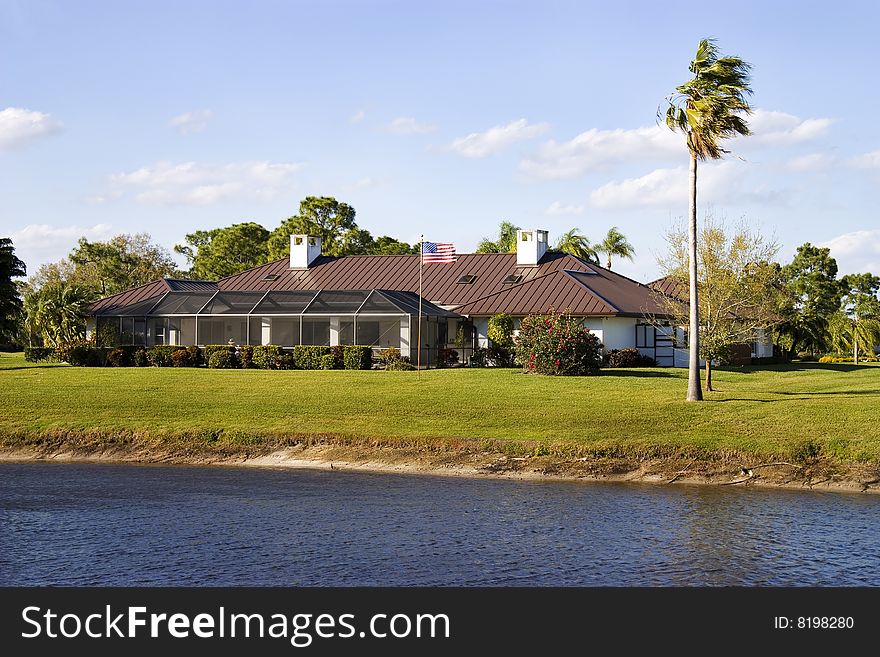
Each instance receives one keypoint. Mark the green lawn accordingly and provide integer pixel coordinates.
(773, 410)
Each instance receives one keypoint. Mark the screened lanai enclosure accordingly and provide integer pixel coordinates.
(378, 318)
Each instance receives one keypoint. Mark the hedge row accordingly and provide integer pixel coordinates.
(269, 357)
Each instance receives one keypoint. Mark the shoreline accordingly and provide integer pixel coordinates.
(711, 469)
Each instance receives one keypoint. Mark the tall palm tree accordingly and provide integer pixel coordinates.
(577, 245)
(707, 108)
(615, 244)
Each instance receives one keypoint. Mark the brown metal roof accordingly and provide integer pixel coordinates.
(559, 281)
(594, 292)
(671, 287)
(401, 272)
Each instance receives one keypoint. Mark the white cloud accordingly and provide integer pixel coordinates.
(779, 128)
(867, 160)
(192, 121)
(496, 139)
(811, 162)
(192, 183)
(101, 199)
(724, 182)
(594, 149)
(36, 244)
(407, 125)
(19, 126)
(856, 252)
(367, 183)
(357, 117)
(556, 209)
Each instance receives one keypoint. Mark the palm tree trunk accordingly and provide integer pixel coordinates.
(695, 392)
(608, 261)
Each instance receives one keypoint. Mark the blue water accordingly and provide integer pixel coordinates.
(90, 524)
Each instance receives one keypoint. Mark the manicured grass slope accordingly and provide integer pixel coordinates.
(764, 410)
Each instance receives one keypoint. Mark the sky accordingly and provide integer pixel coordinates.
(430, 118)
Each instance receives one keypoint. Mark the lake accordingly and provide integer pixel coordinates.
(125, 525)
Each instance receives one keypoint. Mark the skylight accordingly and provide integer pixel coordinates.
(512, 279)
(467, 279)
(269, 277)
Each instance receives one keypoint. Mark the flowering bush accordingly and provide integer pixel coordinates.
(557, 344)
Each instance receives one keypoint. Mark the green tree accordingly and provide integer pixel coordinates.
(385, 245)
(615, 244)
(707, 109)
(123, 262)
(505, 243)
(319, 216)
(55, 313)
(10, 300)
(222, 252)
(577, 245)
(737, 286)
(815, 295)
(861, 308)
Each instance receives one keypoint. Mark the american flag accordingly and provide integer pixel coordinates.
(438, 252)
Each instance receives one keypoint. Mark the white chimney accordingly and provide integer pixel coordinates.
(303, 250)
(531, 245)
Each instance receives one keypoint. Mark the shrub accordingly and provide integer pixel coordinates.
(400, 365)
(328, 362)
(338, 353)
(266, 357)
(491, 357)
(246, 356)
(770, 360)
(480, 357)
(447, 357)
(223, 359)
(85, 355)
(557, 344)
(140, 357)
(628, 357)
(121, 356)
(358, 357)
(848, 359)
(389, 355)
(211, 349)
(308, 357)
(183, 358)
(195, 356)
(285, 361)
(39, 354)
(160, 355)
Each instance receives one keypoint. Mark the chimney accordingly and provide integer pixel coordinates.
(303, 251)
(531, 245)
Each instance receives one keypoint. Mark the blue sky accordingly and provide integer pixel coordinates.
(437, 118)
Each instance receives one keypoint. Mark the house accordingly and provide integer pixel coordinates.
(311, 298)
(761, 345)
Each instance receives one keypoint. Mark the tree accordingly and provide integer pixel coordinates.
(319, 216)
(55, 313)
(223, 252)
(577, 245)
(10, 300)
(384, 245)
(557, 344)
(506, 242)
(615, 244)
(738, 286)
(861, 311)
(815, 295)
(123, 262)
(707, 109)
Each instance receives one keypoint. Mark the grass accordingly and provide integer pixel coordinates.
(781, 410)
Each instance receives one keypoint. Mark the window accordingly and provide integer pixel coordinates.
(467, 279)
(270, 277)
(644, 335)
(512, 279)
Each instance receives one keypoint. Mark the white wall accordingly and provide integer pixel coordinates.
(617, 332)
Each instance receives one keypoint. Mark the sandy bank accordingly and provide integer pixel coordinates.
(723, 469)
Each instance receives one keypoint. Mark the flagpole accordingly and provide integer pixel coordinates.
(419, 342)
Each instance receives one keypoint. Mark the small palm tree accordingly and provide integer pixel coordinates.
(615, 244)
(577, 245)
(707, 108)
